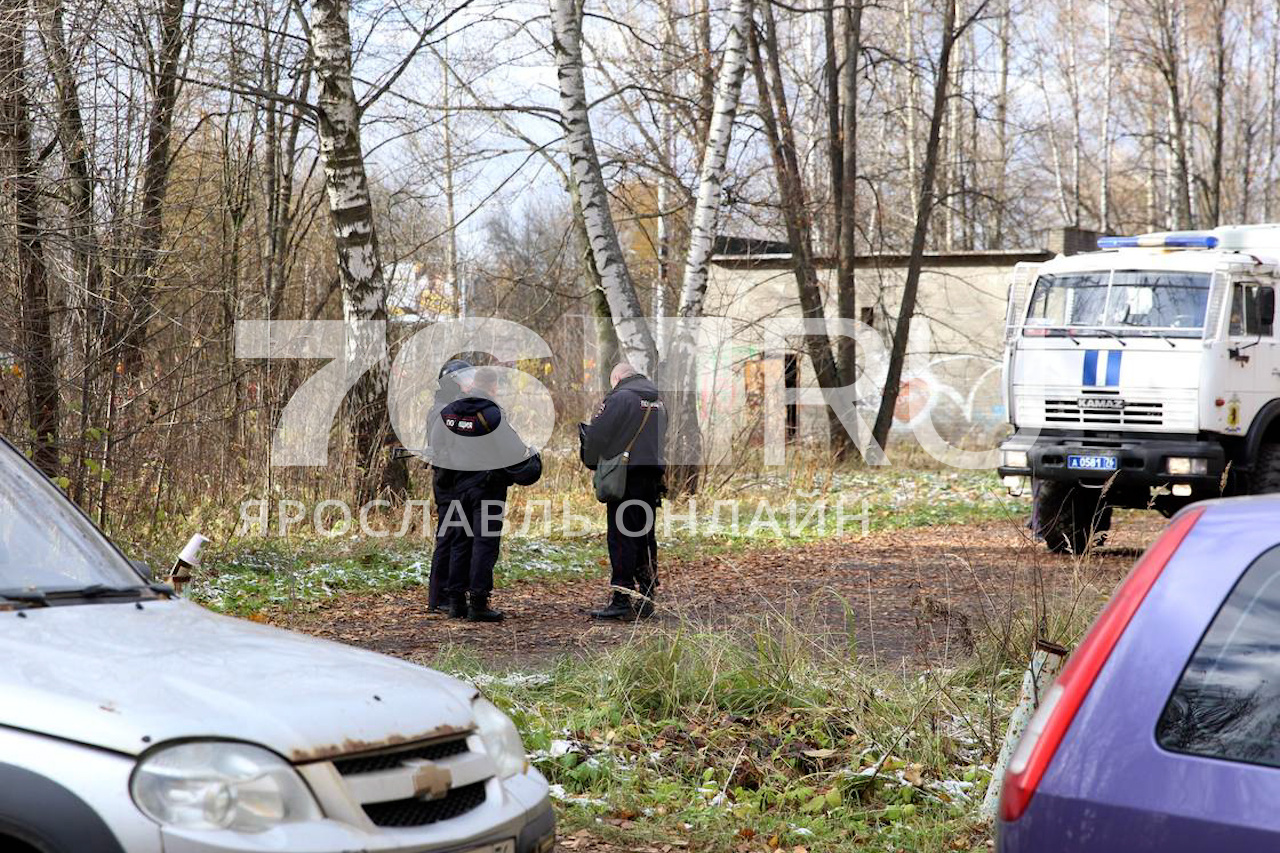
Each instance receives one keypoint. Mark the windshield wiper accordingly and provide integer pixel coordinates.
(1155, 332)
(1110, 334)
(95, 590)
(29, 597)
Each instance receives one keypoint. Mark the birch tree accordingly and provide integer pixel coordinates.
(634, 335)
(364, 289)
(687, 438)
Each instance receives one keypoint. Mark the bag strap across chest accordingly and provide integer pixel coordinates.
(626, 453)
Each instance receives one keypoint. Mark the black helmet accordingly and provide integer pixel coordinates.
(454, 365)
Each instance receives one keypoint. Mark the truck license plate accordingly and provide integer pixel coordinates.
(1092, 463)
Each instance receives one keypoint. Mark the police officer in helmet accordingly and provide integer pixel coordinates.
(476, 457)
(631, 424)
(448, 391)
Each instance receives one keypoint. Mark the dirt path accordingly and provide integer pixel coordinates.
(904, 594)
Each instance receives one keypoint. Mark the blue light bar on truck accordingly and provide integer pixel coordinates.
(1160, 241)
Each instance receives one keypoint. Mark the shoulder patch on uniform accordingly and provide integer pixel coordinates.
(461, 424)
(600, 408)
(652, 404)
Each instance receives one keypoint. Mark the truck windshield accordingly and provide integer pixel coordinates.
(1125, 301)
(45, 543)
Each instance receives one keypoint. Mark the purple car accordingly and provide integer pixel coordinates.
(1163, 731)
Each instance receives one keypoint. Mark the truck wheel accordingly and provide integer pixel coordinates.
(1068, 518)
(1266, 470)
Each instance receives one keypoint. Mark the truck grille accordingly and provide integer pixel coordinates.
(396, 758)
(1062, 412)
(415, 812)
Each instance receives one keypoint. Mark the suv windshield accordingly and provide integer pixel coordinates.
(1125, 301)
(45, 543)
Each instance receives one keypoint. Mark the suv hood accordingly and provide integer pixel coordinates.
(122, 678)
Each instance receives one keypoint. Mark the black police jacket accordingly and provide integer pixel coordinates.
(617, 421)
(472, 445)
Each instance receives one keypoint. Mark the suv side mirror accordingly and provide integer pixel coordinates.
(143, 569)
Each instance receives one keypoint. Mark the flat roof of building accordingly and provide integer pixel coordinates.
(968, 258)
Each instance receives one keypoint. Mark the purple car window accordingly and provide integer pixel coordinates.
(1227, 703)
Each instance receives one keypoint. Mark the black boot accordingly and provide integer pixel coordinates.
(647, 585)
(645, 606)
(619, 608)
(480, 610)
(457, 605)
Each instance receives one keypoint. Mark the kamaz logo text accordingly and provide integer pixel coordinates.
(1112, 403)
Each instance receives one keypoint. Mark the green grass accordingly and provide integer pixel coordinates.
(767, 738)
(755, 740)
(251, 574)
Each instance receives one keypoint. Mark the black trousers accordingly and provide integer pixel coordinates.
(437, 585)
(633, 543)
(468, 538)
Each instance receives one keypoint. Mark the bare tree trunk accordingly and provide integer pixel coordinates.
(1077, 134)
(913, 100)
(85, 250)
(714, 159)
(835, 151)
(1219, 88)
(38, 356)
(1273, 139)
(1104, 193)
(907, 308)
(1247, 129)
(1059, 178)
(450, 209)
(633, 331)
(777, 126)
(364, 290)
(706, 69)
(1169, 62)
(846, 290)
(686, 437)
(155, 177)
(1002, 124)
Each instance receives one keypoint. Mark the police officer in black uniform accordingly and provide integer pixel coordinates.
(448, 391)
(474, 452)
(632, 415)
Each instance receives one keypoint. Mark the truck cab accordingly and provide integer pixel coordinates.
(1145, 375)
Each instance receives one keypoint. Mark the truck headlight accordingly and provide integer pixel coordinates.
(1184, 466)
(500, 738)
(1014, 458)
(220, 785)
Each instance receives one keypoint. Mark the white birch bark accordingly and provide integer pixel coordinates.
(634, 335)
(364, 289)
(682, 370)
(715, 155)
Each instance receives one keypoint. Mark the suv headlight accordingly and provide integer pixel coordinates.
(501, 740)
(220, 785)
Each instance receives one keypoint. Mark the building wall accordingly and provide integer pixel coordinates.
(952, 375)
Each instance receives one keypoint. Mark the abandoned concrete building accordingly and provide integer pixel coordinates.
(952, 374)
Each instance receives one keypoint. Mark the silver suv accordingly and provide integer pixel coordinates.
(132, 720)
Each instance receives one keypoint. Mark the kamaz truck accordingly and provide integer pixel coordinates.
(1144, 375)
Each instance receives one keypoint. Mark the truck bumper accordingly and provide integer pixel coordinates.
(1142, 461)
